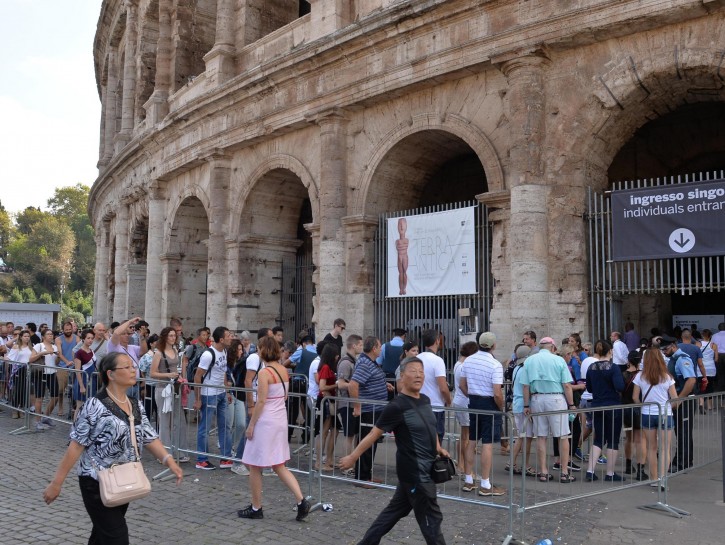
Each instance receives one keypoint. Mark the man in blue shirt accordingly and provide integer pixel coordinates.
(390, 353)
(682, 369)
(368, 383)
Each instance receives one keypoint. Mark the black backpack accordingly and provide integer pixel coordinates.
(194, 364)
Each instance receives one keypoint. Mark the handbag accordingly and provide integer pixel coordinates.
(443, 470)
(123, 483)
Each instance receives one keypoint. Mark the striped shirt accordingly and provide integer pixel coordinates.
(371, 378)
(481, 371)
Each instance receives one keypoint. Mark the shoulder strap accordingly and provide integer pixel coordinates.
(647, 393)
(284, 384)
(211, 365)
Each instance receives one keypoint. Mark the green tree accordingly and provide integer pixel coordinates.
(29, 295)
(45, 298)
(26, 219)
(7, 230)
(70, 204)
(43, 258)
(16, 296)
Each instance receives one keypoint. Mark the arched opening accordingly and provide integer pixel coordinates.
(278, 251)
(429, 171)
(688, 143)
(138, 246)
(185, 268)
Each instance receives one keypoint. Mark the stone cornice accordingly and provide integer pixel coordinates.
(400, 24)
(495, 199)
(268, 242)
(360, 221)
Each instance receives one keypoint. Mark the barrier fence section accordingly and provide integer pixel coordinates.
(379, 470)
(691, 437)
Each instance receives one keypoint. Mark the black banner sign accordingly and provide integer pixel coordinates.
(681, 220)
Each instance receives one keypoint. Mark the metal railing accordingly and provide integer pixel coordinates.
(695, 441)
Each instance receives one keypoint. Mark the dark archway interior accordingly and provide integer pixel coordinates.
(686, 142)
(424, 169)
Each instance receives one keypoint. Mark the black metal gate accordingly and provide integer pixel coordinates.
(298, 291)
(439, 312)
(610, 282)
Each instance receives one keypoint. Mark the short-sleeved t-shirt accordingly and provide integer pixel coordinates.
(545, 373)
(326, 373)
(433, 367)
(87, 359)
(459, 399)
(313, 389)
(658, 394)
(371, 378)
(415, 432)
(216, 375)
(254, 363)
(481, 371)
(345, 368)
(695, 354)
(586, 362)
(49, 360)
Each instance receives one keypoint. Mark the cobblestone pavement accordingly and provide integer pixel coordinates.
(203, 509)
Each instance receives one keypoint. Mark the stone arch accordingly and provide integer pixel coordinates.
(185, 264)
(447, 124)
(637, 91)
(275, 162)
(189, 191)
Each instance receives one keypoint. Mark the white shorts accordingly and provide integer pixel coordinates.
(524, 425)
(462, 417)
(551, 425)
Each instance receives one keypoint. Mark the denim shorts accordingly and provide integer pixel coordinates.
(652, 422)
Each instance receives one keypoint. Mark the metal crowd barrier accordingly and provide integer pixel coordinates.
(383, 468)
(694, 441)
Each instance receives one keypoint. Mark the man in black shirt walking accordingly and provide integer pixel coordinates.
(409, 415)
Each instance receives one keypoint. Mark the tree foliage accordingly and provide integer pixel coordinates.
(50, 251)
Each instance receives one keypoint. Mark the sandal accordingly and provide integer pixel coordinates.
(566, 478)
(517, 470)
(545, 477)
(531, 472)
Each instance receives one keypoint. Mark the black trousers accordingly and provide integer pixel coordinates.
(421, 499)
(109, 523)
(684, 415)
(364, 466)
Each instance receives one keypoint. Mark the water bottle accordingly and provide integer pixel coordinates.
(545, 541)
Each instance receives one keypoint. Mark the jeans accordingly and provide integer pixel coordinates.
(209, 405)
(237, 425)
(421, 498)
(109, 523)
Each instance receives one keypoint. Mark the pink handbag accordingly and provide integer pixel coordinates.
(123, 483)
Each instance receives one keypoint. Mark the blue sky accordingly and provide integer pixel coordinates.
(49, 106)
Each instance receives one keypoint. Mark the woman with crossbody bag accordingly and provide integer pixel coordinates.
(165, 369)
(655, 385)
(101, 438)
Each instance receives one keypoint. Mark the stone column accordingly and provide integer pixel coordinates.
(136, 290)
(110, 105)
(314, 230)
(154, 306)
(528, 240)
(220, 60)
(129, 76)
(333, 186)
(157, 106)
(121, 229)
(360, 272)
(216, 293)
(100, 310)
(327, 16)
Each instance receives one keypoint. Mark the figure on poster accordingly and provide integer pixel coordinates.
(402, 246)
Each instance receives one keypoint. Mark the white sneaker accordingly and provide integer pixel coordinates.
(48, 422)
(39, 426)
(268, 472)
(240, 469)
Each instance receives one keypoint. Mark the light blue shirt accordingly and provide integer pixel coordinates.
(295, 358)
(518, 405)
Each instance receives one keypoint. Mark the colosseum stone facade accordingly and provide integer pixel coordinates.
(238, 136)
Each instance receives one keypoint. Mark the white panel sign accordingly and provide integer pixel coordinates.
(702, 321)
(432, 254)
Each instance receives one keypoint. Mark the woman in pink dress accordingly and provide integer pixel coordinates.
(267, 444)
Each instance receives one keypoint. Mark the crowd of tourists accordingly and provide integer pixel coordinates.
(377, 388)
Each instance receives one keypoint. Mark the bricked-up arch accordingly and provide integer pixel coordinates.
(194, 24)
(146, 57)
(185, 265)
(407, 168)
(273, 237)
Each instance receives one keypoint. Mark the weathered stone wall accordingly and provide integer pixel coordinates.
(358, 111)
